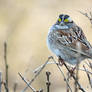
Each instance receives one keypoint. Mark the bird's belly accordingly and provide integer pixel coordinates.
(54, 48)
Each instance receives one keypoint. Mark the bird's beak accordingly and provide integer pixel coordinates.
(61, 23)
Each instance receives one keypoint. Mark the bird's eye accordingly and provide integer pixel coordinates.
(66, 20)
(59, 20)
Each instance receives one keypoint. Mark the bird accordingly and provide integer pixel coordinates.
(68, 41)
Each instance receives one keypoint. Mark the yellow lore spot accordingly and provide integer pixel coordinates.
(59, 20)
(66, 20)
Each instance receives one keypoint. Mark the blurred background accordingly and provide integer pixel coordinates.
(24, 25)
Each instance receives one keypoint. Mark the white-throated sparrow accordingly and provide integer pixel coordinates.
(67, 41)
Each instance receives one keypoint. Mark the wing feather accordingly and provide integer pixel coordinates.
(71, 37)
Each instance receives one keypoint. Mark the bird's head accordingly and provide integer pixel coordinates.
(64, 20)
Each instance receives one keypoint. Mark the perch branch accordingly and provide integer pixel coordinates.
(38, 68)
(6, 67)
(72, 76)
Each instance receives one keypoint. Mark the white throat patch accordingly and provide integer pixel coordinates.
(61, 27)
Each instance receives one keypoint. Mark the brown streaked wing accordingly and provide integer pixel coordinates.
(74, 45)
(72, 40)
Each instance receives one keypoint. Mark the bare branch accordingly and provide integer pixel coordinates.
(89, 16)
(68, 78)
(77, 77)
(5, 86)
(38, 68)
(90, 80)
(37, 74)
(0, 81)
(6, 67)
(15, 87)
(27, 83)
(62, 74)
(48, 83)
(72, 76)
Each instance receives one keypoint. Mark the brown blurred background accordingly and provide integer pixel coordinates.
(24, 24)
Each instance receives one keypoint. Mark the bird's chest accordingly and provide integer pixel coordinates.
(52, 39)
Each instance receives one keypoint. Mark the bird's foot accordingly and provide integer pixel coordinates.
(61, 61)
(72, 71)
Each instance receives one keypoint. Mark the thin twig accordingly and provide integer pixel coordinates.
(74, 79)
(37, 74)
(6, 67)
(77, 77)
(5, 86)
(89, 79)
(38, 68)
(89, 64)
(62, 74)
(78, 47)
(0, 81)
(27, 83)
(48, 83)
(86, 14)
(15, 87)
(68, 77)
(72, 76)
(41, 90)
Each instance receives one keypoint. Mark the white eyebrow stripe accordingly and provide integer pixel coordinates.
(69, 19)
(63, 18)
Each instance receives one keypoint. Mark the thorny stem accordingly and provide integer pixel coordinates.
(6, 67)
